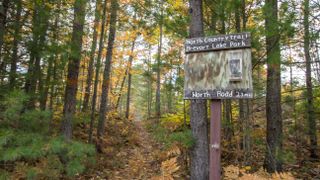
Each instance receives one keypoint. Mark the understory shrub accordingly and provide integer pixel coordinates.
(171, 131)
(26, 143)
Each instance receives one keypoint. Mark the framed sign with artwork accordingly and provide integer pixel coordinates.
(218, 67)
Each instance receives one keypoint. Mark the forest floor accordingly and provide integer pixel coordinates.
(128, 152)
(140, 160)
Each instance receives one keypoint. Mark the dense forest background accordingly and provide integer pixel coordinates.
(91, 88)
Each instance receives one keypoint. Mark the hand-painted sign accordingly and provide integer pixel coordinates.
(215, 71)
(220, 42)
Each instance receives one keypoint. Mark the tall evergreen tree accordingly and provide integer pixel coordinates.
(273, 100)
(98, 66)
(158, 90)
(73, 68)
(16, 39)
(107, 69)
(3, 21)
(92, 55)
(310, 107)
(198, 110)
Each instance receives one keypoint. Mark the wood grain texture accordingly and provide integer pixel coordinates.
(210, 72)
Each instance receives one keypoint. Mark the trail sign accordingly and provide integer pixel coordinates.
(218, 67)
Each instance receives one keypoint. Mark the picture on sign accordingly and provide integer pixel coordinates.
(223, 73)
(235, 66)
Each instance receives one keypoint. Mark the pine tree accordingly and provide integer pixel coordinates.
(107, 69)
(73, 68)
(310, 106)
(92, 55)
(198, 110)
(273, 100)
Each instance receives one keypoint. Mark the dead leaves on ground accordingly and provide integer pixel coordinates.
(235, 173)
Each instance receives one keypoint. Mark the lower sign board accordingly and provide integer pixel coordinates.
(219, 74)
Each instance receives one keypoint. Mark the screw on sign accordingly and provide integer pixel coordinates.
(218, 67)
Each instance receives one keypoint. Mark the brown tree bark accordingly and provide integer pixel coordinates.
(92, 55)
(73, 68)
(106, 74)
(98, 66)
(273, 161)
(158, 91)
(198, 115)
(16, 39)
(129, 79)
(53, 83)
(310, 106)
(3, 21)
(125, 74)
(51, 63)
(39, 29)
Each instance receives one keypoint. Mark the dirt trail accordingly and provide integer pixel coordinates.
(140, 162)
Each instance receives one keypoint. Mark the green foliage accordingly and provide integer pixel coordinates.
(24, 137)
(4, 175)
(74, 167)
(171, 130)
(174, 121)
(35, 121)
(183, 137)
(288, 156)
(31, 174)
(13, 103)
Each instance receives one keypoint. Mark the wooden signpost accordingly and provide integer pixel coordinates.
(216, 68)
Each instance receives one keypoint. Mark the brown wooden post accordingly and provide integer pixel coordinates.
(215, 138)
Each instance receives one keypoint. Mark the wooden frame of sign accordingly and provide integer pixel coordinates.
(218, 67)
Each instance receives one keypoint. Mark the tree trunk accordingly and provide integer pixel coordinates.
(98, 66)
(16, 39)
(51, 69)
(52, 83)
(129, 79)
(149, 80)
(310, 107)
(273, 160)
(92, 55)
(39, 29)
(125, 74)
(106, 74)
(3, 21)
(198, 114)
(73, 68)
(158, 91)
(121, 88)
